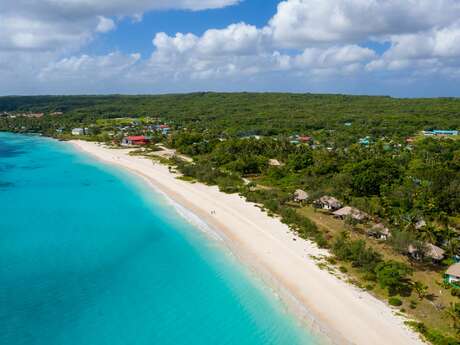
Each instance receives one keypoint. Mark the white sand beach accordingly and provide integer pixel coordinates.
(348, 314)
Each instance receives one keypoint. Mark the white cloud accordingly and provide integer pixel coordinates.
(429, 52)
(60, 24)
(301, 22)
(306, 42)
(87, 68)
(105, 24)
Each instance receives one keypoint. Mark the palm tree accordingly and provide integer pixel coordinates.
(421, 289)
(453, 312)
(452, 241)
(429, 233)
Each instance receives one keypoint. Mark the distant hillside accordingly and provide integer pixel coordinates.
(258, 113)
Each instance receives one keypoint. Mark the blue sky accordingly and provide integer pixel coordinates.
(392, 47)
(131, 37)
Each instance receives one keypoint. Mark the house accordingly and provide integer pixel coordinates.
(352, 212)
(365, 141)
(135, 140)
(380, 232)
(36, 115)
(434, 252)
(164, 129)
(328, 203)
(78, 131)
(453, 274)
(304, 139)
(431, 251)
(420, 224)
(440, 132)
(300, 195)
(410, 140)
(274, 163)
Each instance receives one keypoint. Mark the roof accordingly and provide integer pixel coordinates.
(137, 137)
(274, 162)
(328, 200)
(432, 251)
(435, 252)
(304, 138)
(350, 211)
(381, 229)
(454, 270)
(443, 131)
(420, 224)
(300, 195)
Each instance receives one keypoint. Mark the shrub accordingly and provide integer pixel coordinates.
(356, 252)
(392, 275)
(432, 335)
(343, 269)
(455, 292)
(394, 301)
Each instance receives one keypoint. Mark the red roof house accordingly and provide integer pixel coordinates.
(135, 140)
(304, 139)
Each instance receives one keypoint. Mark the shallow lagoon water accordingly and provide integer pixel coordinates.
(89, 255)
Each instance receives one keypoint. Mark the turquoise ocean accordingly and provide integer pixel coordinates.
(89, 255)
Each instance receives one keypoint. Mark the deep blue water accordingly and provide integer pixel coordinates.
(90, 256)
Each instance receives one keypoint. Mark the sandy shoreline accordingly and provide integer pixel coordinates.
(345, 313)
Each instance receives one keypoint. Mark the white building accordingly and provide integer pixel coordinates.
(453, 274)
(78, 131)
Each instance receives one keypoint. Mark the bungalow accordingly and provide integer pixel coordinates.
(431, 251)
(327, 203)
(453, 274)
(354, 213)
(380, 232)
(135, 140)
(300, 195)
(78, 131)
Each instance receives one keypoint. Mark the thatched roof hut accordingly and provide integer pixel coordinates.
(352, 212)
(274, 163)
(432, 251)
(300, 195)
(328, 203)
(380, 231)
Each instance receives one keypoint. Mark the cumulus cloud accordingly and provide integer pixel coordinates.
(301, 22)
(305, 40)
(105, 24)
(435, 51)
(57, 24)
